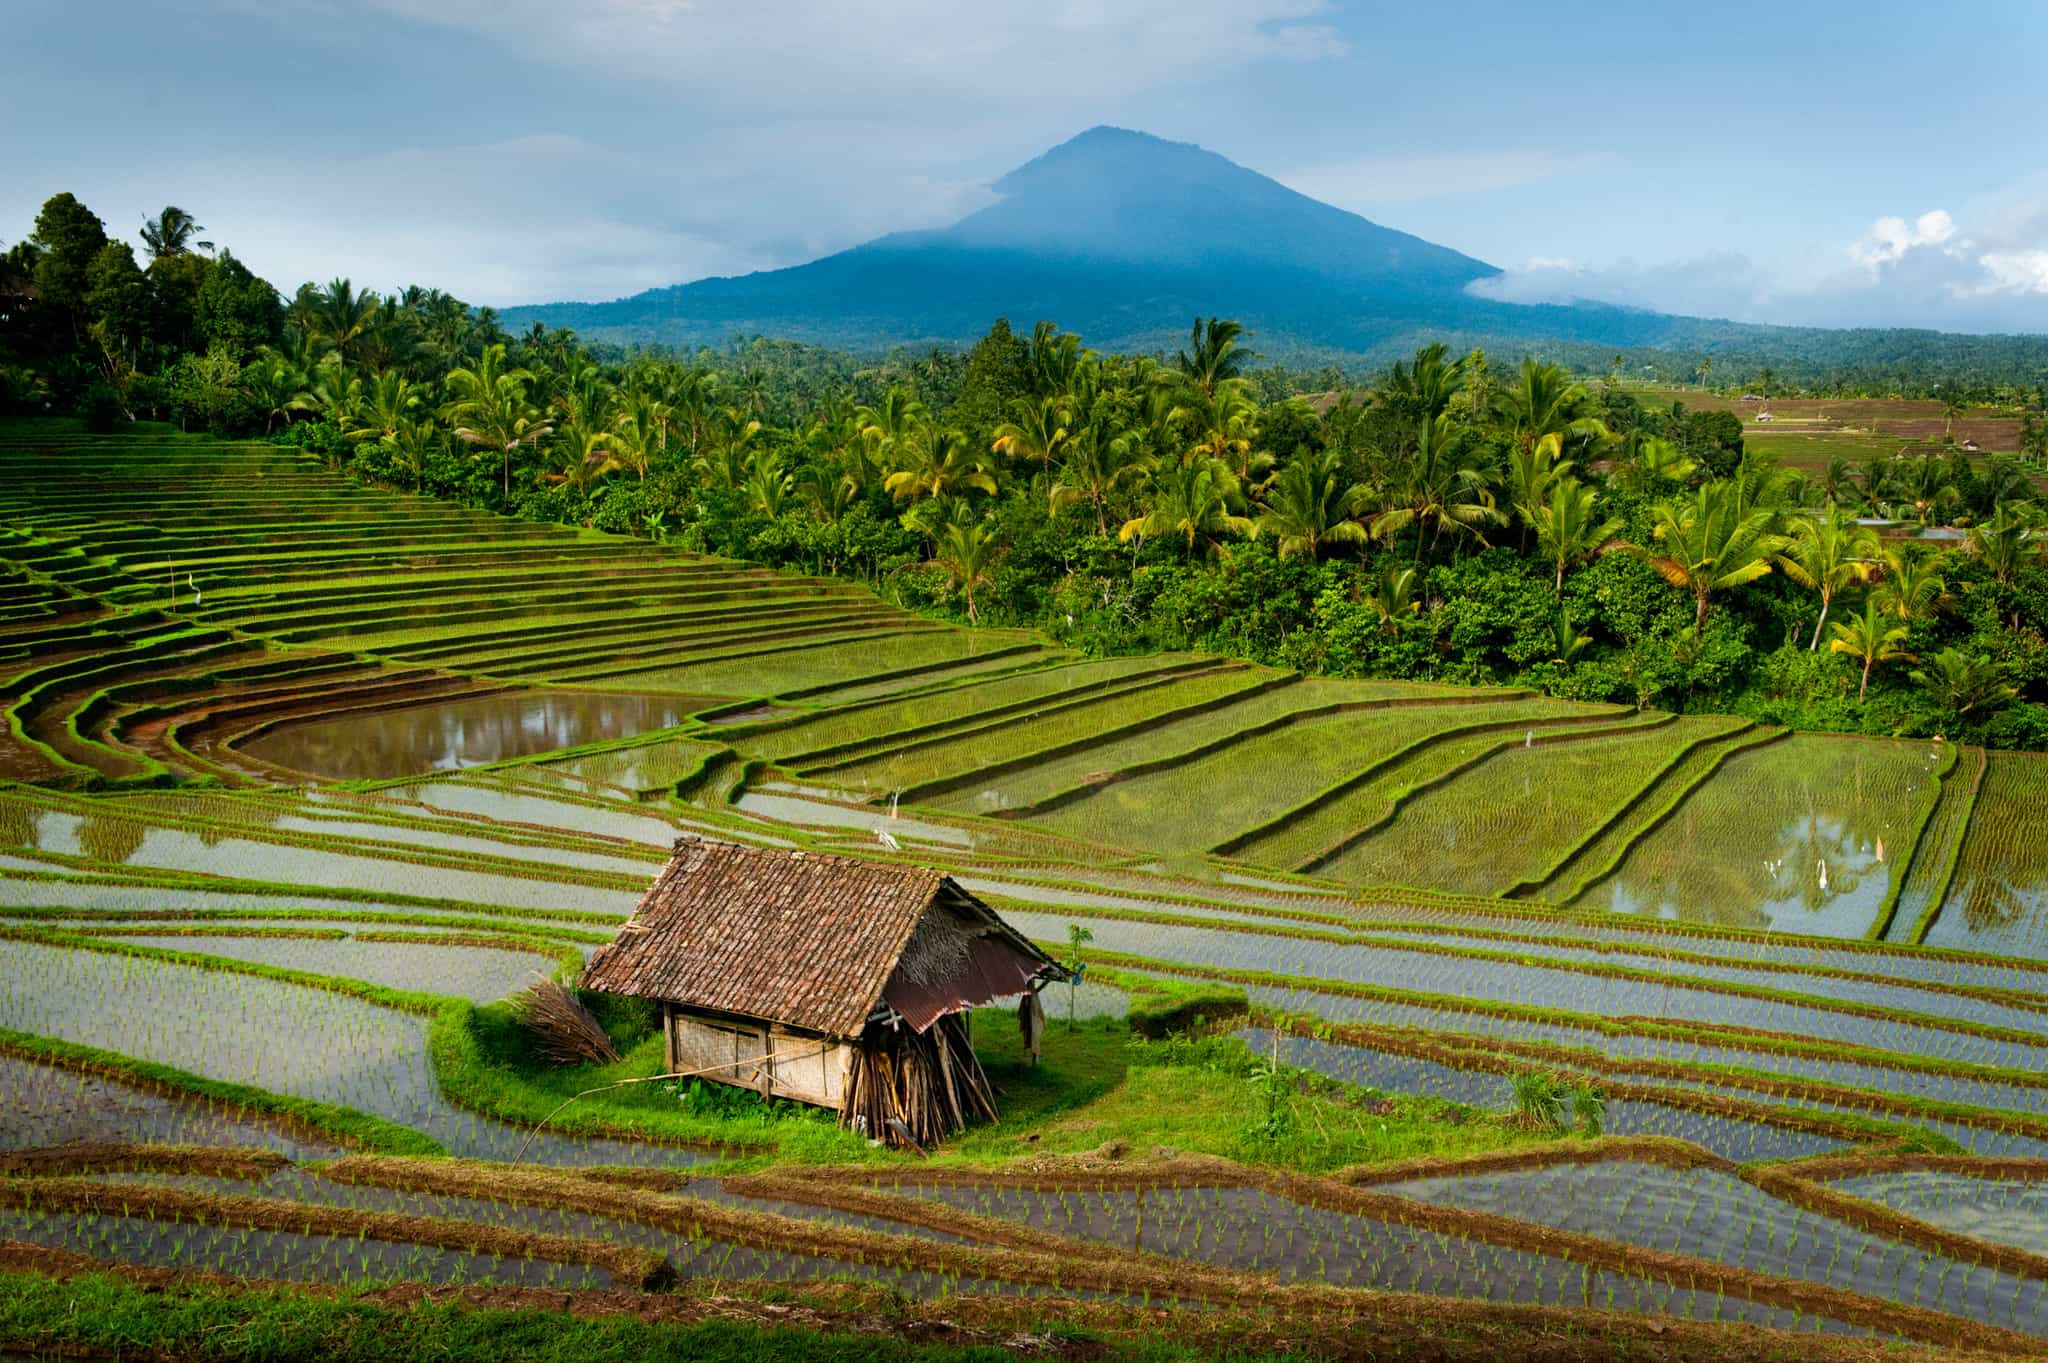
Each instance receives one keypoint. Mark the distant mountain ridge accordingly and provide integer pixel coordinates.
(1125, 237)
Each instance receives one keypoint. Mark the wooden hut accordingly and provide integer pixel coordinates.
(825, 979)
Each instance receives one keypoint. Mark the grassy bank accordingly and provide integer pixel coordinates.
(102, 1315)
(1097, 1083)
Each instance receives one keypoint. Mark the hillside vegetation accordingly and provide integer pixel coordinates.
(1463, 520)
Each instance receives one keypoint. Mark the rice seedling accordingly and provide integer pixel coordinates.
(1998, 898)
(1789, 832)
(1714, 1216)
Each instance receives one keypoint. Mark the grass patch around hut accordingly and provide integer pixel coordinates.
(1097, 1085)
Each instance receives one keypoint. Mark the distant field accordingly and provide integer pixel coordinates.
(1897, 421)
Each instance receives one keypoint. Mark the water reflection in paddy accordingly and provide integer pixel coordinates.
(467, 731)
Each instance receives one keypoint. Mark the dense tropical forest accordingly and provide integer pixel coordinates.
(1460, 517)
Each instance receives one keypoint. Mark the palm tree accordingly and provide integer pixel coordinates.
(1566, 641)
(1925, 482)
(728, 449)
(934, 462)
(1910, 587)
(173, 232)
(2001, 483)
(340, 316)
(583, 398)
(827, 489)
(754, 391)
(1953, 405)
(1569, 529)
(1871, 638)
(1440, 490)
(1531, 470)
(1875, 480)
(889, 421)
(385, 405)
(1037, 435)
(1827, 554)
(1711, 543)
(1212, 359)
(768, 482)
(489, 404)
(410, 446)
(1546, 404)
(1392, 596)
(1098, 466)
(1055, 358)
(968, 552)
(693, 396)
(1224, 425)
(1840, 479)
(1647, 460)
(331, 393)
(273, 385)
(1310, 503)
(1428, 388)
(1963, 685)
(584, 457)
(2006, 541)
(1191, 501)
(638, 428)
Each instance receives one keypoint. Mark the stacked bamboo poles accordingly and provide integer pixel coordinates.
(912, 1088)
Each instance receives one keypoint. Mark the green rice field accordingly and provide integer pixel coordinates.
(300, 780)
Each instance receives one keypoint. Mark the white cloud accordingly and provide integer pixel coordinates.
(1725, 284)
(2017, 271)
(710, 136)
(1889, 239)
(1934, 270)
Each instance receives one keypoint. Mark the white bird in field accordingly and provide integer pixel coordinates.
(1823, 873)
(882, 836)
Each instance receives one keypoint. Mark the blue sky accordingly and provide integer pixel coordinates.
(1829, 163)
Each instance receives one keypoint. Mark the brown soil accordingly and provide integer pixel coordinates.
(1824, 1167)
(99, 1157)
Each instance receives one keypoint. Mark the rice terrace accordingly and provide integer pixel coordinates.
(930, 734)
(307, 776)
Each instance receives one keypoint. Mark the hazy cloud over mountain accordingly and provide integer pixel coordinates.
(1927, 270)
(512, 150)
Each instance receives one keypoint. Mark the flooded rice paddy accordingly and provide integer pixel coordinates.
(1768, 947)
(468, 731)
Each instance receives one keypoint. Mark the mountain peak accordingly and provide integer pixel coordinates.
(1116, 194)
(1114, 232)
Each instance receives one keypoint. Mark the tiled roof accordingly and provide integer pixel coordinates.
(794, 937)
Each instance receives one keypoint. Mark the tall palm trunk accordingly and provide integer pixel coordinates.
(1826, 600)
